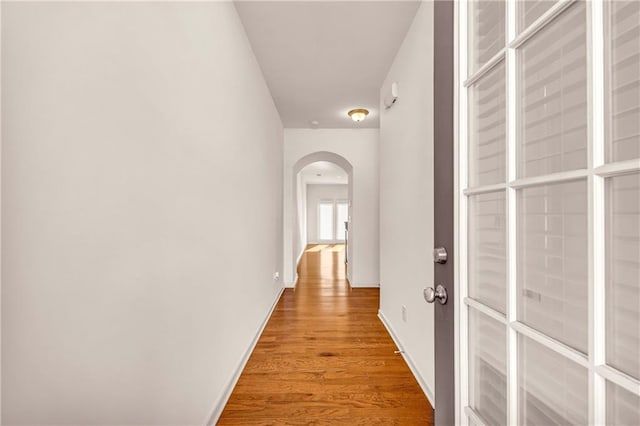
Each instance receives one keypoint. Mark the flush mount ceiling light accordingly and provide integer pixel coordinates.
(358, 114)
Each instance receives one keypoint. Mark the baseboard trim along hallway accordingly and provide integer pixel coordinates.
(412, 366)
(325, 357)
(219, 407)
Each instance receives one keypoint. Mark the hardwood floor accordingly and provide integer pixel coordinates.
(325, 358)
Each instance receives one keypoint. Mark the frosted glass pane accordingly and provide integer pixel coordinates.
(623, 273)
(553, 389)
(486, 31)
(487, 129)
(487, 368)
(552, 122)
(342, 215)
(487, 250)
(623, 407)
(552, 259)
(622, 79)
(325, 220)
(530, 10)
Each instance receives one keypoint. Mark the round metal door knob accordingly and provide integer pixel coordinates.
(440, 293)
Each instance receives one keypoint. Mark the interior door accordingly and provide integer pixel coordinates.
(443, 211)
(548, 212)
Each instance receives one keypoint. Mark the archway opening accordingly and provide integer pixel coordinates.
(322, 202)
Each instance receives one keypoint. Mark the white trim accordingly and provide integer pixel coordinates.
(596, 292)
(540, 23)
(233, 380)
(461, 147)
(363, 285)
(491, 63)
(596, 295)
(0, 214)
(485, 189)
(475, 417)
(595, 57)
(510, 210)
(412, 366)
(549, 179)
(480, 307)
(618, 378)
(619, 168)
(595, 213)
(552, 344)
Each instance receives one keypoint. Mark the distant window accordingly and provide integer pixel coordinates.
(325, 220)
(342, 215)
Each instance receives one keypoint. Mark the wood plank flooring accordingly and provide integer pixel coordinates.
(325, 358)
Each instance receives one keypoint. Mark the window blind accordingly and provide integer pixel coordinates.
(553, 389)
(552, 258)
(623, 273)
(553, 97)
(487, 31)
(530, 10)
(622, 79)
(487, 363)
(487, 250)
(623, 407)
(487, 129)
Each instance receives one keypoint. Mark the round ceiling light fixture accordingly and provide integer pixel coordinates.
(358, 114)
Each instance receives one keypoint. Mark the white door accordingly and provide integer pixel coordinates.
(548, 212)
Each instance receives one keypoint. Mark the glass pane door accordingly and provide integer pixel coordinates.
(549, 212)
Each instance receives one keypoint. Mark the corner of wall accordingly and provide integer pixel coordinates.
(235, 376)
(406, 176)
(428, 392)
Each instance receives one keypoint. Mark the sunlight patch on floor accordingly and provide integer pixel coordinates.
(317, 248)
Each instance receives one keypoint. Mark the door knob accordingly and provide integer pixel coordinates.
(440, 293)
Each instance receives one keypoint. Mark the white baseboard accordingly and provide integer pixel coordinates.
(219, 406)
(412, 366)
(360, 285)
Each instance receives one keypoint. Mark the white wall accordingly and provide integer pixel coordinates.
(360, 148)
(301, 229)
(127, 296)
(406, 198)
(315, 194)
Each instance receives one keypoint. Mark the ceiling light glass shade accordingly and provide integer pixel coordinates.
(358, 114)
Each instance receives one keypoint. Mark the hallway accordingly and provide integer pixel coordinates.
(325, 358)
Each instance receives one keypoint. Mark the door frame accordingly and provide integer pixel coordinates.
(444, 194)
(460, 368)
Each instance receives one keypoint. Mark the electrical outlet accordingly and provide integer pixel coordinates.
(404, 313)
(276, 276)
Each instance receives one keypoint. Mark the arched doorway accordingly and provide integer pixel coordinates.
(299, 234)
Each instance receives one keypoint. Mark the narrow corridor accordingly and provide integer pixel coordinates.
(325, 358)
